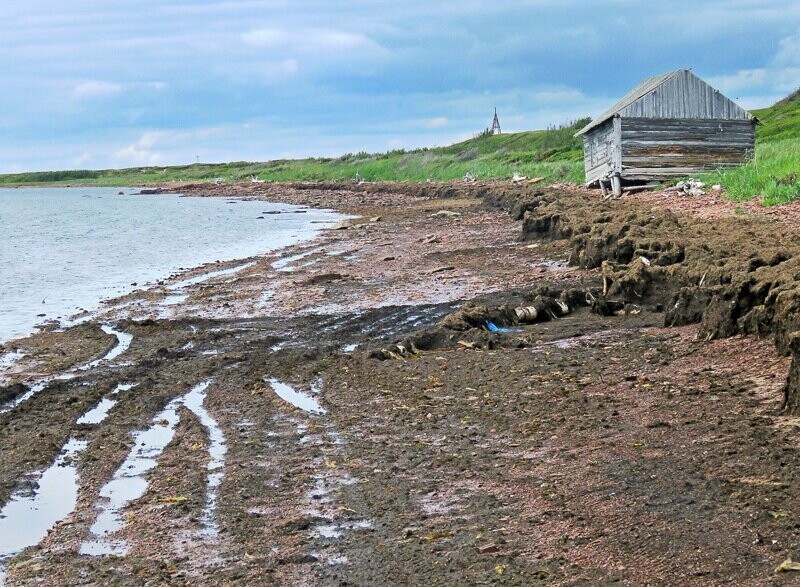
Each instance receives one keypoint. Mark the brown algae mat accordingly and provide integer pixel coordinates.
(369, 407)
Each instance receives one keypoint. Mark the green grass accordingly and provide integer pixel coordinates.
(774, 173)
(780, 121)
(552, 153)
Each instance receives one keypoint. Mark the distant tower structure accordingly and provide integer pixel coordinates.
(495, 124)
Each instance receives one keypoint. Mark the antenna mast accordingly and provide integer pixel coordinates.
(495, 124)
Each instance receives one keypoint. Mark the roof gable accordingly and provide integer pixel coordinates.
(675, 94)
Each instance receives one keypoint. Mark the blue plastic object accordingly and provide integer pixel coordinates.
(495, 328)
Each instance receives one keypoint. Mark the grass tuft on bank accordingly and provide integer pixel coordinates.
(774, 174)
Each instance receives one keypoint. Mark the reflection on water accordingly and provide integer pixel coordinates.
(298, 399)
(63, 249)
(129, 482)
(26, 518)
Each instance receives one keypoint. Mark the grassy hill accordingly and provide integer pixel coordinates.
(780, 121)
(774, 174)
(553, 153)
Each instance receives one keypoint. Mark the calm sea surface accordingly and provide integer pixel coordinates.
(65, 249)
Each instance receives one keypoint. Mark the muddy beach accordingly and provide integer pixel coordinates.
(461, 384)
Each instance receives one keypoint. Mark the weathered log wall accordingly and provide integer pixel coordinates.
(598, 151)
(664, 148)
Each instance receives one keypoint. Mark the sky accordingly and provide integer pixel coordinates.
(95, 84)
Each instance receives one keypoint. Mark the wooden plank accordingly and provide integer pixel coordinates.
(692, 164)
(616, 162)
(597, 173)
(665, 172)
(677, 121)
(678, 132)
(681, 151)
(658, 149)
(632, 123)
(672, 137)
(699, 155)
(684, 95)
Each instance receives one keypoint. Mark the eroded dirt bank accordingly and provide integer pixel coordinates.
(625, 432)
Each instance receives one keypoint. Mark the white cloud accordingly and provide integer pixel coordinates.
(438, 122)
(95, 89)
(309, 40)
(142, 152)
(763, 86)
(559, 96)
(162, 147)
(134, 155)
(267, 38)
(788, 51)
(82, 159)
(743, 79)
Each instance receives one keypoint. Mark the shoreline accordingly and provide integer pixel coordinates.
(171, 276)
(580, 448)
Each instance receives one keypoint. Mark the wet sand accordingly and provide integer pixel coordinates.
(359, 424)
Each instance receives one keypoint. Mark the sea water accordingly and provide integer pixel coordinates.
(63, 250)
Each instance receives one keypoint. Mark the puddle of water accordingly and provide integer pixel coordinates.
(575, 341)
(216, 450)
(26, 519)
(100, 412)
(123, 343)
(210, 275)
(298, 399)
(174, 299)
(281, 264)
(34, 389)
(8, 359)
(103, 548)
(328, 531)
(338, 530)
(176, 292)
(565, 344)
(129, 484)
(313, 440)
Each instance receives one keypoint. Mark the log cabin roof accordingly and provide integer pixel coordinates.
(685, 96)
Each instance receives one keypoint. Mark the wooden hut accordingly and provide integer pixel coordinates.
(671, 125)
